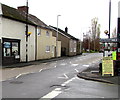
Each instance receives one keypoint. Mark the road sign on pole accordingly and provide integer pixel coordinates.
(118, 33)
(107, 66)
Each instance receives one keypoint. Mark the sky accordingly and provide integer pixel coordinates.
(75, 14)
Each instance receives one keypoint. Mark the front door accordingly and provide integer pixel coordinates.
(11, 51)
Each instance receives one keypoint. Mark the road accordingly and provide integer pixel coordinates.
(58, 79)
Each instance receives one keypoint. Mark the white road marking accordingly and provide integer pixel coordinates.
(68, 81)
(76, 70)
(55, 66)
(53, 94)
(86, 65)
(75, 64)
(22, 74)
(56, 91)
(40, 70)
(66, 76)
(18, 76)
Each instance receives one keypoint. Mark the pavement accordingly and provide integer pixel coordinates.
(92, 73)
(24, 64)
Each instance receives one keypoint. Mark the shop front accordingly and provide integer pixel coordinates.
(10, 51)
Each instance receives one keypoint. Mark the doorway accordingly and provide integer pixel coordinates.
(11, 51)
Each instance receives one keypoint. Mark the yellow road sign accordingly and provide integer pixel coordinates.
(107, 66)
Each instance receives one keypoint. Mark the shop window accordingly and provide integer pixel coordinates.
(10, 49)
(15, 49)
(7, 49)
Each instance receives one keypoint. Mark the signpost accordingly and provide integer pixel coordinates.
(107, 66)
(118, 33)
(110, 40)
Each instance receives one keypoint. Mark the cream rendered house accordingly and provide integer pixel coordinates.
(41, 44)
(45, 41)
(46, 44)
(13, 38)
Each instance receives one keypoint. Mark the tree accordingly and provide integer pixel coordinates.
(114, 33)
(95, 33)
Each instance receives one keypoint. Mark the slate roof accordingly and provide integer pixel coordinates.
(14, 14)
(38, 22)
(60, 30)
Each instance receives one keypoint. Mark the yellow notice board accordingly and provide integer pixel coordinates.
(107, 66)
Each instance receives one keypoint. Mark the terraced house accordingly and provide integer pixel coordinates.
(24, 38)
(45, 41)
(41, 44)
(70, 46)
(13, 37)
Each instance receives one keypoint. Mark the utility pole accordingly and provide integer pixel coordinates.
(118, 33)
(27, 32)
(109, 17)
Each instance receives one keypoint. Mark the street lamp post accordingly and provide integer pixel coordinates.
(57, 36)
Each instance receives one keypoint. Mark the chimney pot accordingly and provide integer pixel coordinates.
(66, 30)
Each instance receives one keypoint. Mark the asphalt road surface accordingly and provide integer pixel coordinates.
(59, 81)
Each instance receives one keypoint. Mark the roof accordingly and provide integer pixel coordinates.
(37, 21)
(18, 15)
(14, 14)
(72, 37)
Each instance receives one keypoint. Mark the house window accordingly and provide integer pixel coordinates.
(47, 34)
(71, 50)
(39, 32)
(74, 49)
(74, 42)
(47, 48)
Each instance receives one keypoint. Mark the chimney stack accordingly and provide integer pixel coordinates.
(66, 30)
(23, 8)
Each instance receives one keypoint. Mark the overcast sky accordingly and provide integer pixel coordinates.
(75, 14)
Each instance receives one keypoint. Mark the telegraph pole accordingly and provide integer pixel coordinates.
(109, 17)
(27, 31)
(118, 33)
